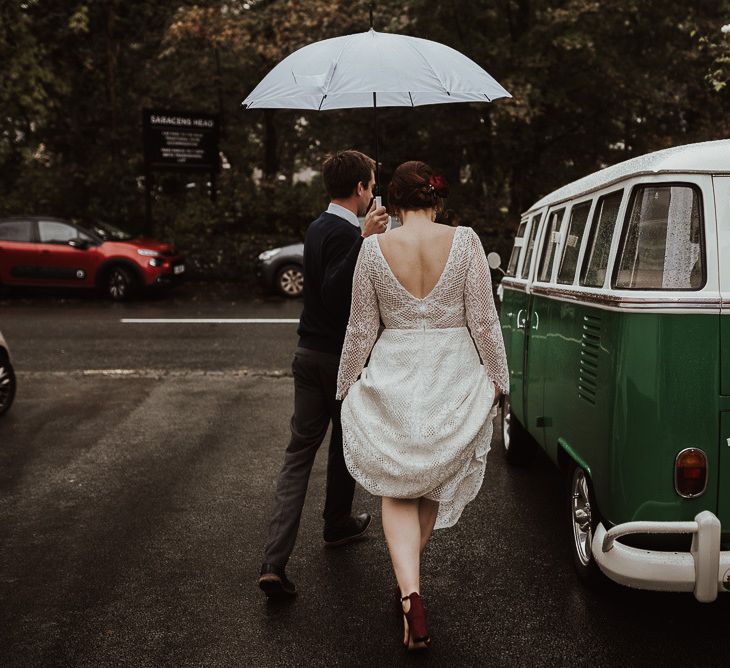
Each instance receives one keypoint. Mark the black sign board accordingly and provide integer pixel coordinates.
(180, 140)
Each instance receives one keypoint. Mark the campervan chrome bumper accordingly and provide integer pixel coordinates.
(704, 570)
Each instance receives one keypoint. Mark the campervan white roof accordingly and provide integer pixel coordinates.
(709, 157)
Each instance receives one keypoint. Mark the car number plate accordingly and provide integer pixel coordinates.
(179, 269)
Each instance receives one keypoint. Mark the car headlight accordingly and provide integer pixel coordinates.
(156, 262)
(268, 254)
(147, 252)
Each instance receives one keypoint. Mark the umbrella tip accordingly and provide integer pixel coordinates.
(371, 15)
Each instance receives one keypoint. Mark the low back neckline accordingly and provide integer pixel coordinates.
(441, 275)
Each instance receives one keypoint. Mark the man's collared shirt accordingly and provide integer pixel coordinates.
(342, 212)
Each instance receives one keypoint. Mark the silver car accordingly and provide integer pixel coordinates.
(282, 269)
(7, 377)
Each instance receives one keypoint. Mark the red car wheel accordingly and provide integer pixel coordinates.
(120, 283)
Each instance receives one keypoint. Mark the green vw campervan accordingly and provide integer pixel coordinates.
(616, 319)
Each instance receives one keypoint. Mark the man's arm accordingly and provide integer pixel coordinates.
(340, 258)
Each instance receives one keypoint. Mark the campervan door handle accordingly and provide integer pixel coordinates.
(520, 320)
(537, 320)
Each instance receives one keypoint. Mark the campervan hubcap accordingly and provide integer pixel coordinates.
(292, 281)
(581, 506)
(506, 419)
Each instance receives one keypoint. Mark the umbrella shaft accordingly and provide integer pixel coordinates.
(377, 157)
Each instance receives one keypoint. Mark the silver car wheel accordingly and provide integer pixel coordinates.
(291, 282)
(582, 525)
(7, 386)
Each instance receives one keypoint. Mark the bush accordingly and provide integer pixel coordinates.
(222, 240)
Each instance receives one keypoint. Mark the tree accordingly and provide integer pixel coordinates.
(28, 96)
(592, 84)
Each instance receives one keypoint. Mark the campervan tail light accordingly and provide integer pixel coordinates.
(690, 472)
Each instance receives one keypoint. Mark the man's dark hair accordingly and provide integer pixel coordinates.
(342, 171)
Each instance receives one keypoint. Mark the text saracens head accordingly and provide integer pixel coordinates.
(178, 120)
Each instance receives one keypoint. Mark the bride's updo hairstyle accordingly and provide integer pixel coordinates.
(414, 186)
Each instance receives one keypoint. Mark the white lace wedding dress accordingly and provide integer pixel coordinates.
(418, 421)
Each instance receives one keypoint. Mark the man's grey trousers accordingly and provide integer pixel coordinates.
(315, 384)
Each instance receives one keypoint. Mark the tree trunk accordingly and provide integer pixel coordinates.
(517, 13)
(271, 152)
(112, 52)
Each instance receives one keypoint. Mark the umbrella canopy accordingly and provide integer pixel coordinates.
(373, 68)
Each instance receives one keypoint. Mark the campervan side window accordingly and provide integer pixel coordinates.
(519, 243)
(595, 263)
(550, 243)
(530, 246)
(662, 246)
(576, 227)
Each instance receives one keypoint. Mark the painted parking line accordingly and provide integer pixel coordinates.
(215, 321)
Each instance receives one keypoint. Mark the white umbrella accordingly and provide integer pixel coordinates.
(373, 69)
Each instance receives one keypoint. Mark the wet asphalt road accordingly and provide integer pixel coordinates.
(136, 475)
(81, 331)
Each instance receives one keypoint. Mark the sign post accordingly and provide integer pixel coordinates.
(179, 141)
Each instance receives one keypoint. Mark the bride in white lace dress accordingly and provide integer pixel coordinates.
(417, 424)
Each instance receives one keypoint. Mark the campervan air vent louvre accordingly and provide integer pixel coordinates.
(588, 368)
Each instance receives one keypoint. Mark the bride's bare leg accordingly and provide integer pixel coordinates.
(403, 534)
(427, 511)
(402, 528)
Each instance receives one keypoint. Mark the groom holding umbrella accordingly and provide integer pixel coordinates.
(331, 248)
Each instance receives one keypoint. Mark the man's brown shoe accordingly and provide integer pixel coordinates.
(274, 583)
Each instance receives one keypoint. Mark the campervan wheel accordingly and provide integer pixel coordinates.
(583, 522)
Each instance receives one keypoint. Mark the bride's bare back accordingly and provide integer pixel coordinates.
(417, 255)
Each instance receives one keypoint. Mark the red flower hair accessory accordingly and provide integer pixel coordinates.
(439, 185)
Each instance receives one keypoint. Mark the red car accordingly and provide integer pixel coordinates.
(41, 250)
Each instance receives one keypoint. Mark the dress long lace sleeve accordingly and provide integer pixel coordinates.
(363, 325)
(482, 318)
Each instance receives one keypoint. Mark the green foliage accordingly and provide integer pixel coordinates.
(717, 46)
(28, 94)
(593, 84)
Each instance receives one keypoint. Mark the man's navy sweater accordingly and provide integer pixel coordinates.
(331, 247)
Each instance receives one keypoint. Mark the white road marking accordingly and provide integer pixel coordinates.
(158, 373)
(215, 321)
